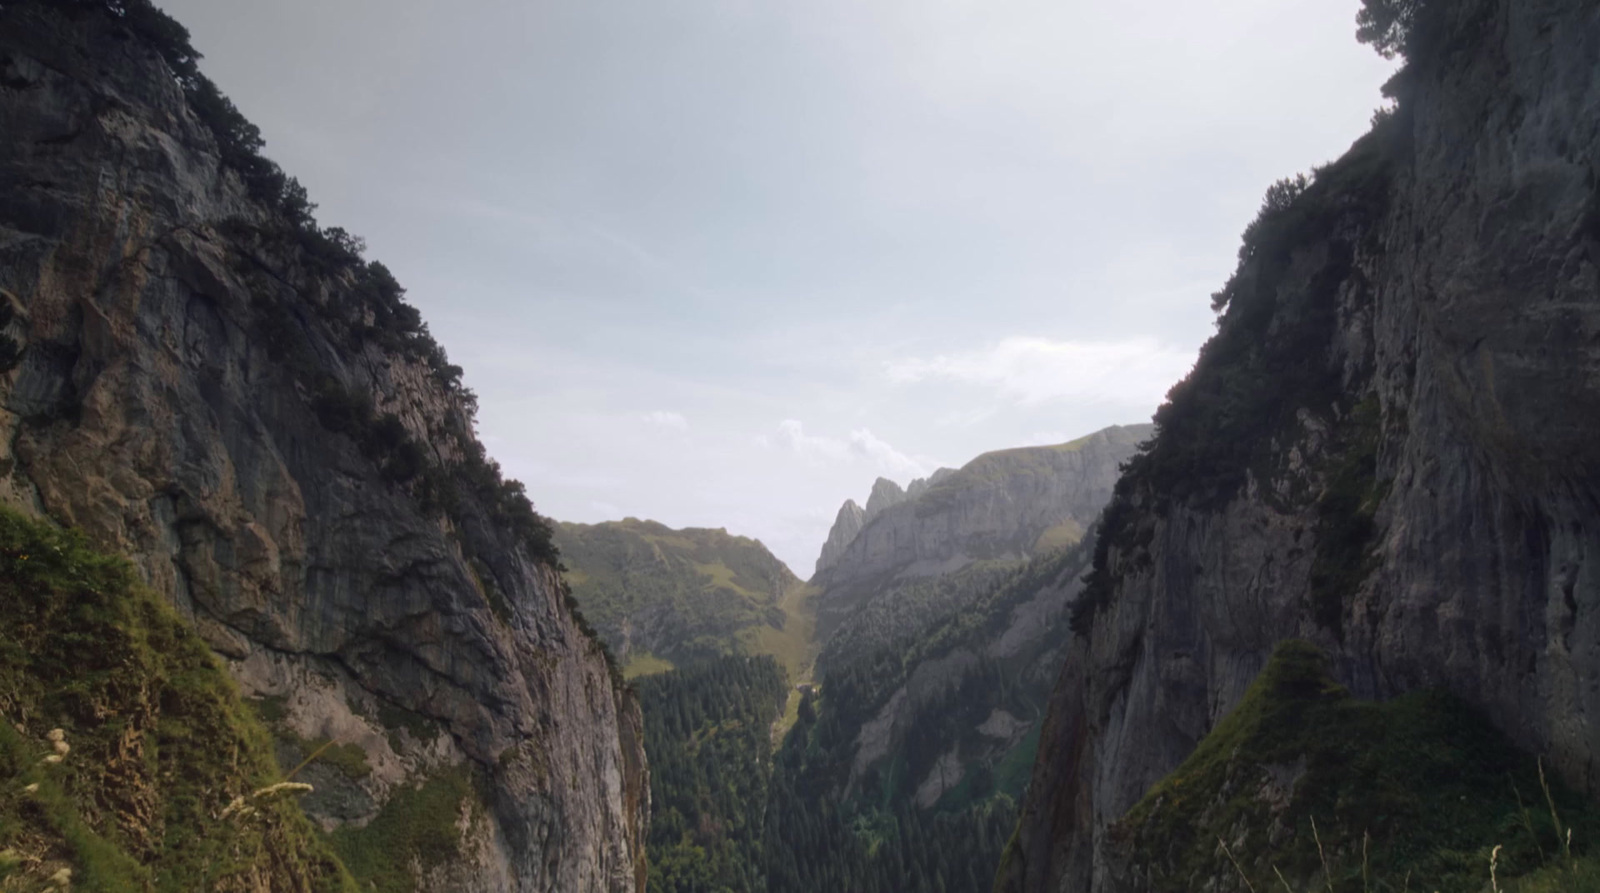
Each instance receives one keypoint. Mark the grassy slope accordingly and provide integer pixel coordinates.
(1435, 786)
(794, 647)
(687, 594)
(160, 744)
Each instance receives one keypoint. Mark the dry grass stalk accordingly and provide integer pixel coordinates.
(1527, 818)
(309, 760)
(1237, 867)
(1366, 839)
(1565, 838)
(1327, 875)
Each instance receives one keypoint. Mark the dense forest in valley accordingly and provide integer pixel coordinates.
(905, 766)
(708, 734)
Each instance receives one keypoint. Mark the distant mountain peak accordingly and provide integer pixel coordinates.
(846, 525)
(885, 494)
(1004, 505)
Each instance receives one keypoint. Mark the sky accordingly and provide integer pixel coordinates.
(723, 263)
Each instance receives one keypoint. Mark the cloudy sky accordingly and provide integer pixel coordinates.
(721, 263)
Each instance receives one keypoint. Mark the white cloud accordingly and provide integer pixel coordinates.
(862, 444)
(664, 419)
(886, 457)
(1030, 370)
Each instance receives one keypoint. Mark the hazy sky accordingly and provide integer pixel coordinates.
(721, 263)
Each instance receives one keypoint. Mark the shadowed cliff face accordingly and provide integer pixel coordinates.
(175, 364)
(1389, 448)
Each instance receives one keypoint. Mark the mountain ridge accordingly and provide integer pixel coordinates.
(1004, 505)
(661, 596)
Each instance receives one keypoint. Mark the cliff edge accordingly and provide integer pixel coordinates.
(199, 376)
(1388, 449)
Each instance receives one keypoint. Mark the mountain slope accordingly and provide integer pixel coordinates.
(1388, 449)
(658, 594)
(200, 377)
(1000, 509)
(903, 774)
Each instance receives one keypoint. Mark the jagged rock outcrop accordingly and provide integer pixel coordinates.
(920, 485)
(196, 379)
(846, 525)
(1005, 505)
(1389, 448)
(885, 495)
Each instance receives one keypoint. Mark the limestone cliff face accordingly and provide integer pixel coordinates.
(846, 525)
(190, 384)
(885, 495)
(1389, 448)
(1004, 505)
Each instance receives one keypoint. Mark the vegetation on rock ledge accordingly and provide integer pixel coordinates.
(162, 778)
(1420, 790)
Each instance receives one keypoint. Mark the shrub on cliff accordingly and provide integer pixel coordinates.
(1386, 24)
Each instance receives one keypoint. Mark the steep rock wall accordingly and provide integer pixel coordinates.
(176, 360)
(846, 525)
(996, 507)
(1389, 448)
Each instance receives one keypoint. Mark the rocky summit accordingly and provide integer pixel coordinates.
(1004, 506)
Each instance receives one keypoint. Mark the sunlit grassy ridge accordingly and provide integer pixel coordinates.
(662, 597)
(164, 776)
(1423, 783)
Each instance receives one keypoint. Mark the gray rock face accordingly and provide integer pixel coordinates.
(1004, 505)
(885, 495)
(846, 525)
(1460, 327)
(153, 407)
(920, 485)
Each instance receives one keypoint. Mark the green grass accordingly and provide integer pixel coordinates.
(1432, 782)
(160, 741)
(1015, 770)
(415, 830)
(1067, 533)
(706, 593)
(643, 663)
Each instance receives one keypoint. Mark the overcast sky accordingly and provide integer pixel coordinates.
(721, 263)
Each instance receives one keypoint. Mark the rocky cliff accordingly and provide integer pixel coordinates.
(200, 377)
(1002, 506)
(846, 525)
(1388, 448)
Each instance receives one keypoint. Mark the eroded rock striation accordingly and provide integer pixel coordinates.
(242, 404)
(1388, 449)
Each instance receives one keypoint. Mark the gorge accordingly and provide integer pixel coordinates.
(275, 620)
